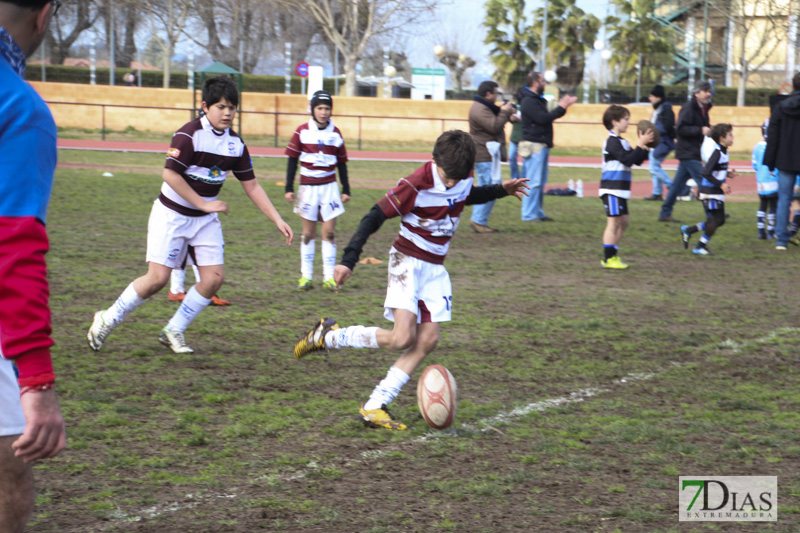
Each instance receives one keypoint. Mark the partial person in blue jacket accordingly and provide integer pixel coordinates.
(31, 424)
(767, 185)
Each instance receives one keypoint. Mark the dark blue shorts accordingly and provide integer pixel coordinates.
(614, 205)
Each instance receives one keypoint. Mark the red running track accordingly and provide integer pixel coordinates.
(744, 187)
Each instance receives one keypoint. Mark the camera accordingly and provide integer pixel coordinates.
(515, 106)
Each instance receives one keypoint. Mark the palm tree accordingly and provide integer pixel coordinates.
(637, 32)
(515, 42)
(571, 33)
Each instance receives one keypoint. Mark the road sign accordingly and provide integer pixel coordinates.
(301, 69)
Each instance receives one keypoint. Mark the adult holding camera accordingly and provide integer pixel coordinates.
(664, 119)
(537, 135)
(693, 126)
(487, 123)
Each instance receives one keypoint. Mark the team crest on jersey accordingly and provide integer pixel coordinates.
(173, 152)
(232, 148)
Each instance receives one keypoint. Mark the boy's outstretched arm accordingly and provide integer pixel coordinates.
(258, 196)
(487, 193)
(371, 223)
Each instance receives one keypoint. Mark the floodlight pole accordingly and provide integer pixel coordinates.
(544, 39)
(92, 66)
(287, 62)
(113, 45)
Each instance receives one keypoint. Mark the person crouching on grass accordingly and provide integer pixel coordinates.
(419, 296)
(615, 182)
(319, 147)
(186, 213)
(713, 189)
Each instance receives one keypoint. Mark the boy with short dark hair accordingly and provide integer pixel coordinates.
(615, 182)
(318, 146)
(418, 297)
(713, 189)
(185, 214)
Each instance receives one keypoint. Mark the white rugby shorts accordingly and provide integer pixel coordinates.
(419, 287)
(12, 421)
(169, 233)
(319, 201)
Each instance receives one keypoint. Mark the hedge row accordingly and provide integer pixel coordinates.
(621, 94)
(154, 78)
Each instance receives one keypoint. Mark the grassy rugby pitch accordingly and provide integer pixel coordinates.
(585, 393)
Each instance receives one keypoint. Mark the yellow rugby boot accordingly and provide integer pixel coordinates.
(380, 418)
(314, 340)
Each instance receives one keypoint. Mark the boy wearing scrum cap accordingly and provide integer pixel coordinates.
(319, 147)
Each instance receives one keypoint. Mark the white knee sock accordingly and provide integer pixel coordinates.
(307, 259)
(352, 336)
(191, 306)
(176, 281)
(127, 302)
(328, 259)
(387, 390)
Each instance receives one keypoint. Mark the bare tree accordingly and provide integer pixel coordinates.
(168, 18)
(350, 24)
(76, 17)
(234, 28)
(457, 47)
(758, 28)
(458, 64)
(130, 10)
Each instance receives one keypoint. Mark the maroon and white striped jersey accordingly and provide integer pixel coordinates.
(203, 156)
(430, 212)
(319, 151)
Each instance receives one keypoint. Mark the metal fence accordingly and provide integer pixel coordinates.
(193, 113)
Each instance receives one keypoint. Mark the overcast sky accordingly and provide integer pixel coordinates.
(461, 21)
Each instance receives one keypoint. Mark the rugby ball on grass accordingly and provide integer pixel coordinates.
(437, 396)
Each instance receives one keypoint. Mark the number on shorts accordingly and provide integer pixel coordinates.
(448, 301)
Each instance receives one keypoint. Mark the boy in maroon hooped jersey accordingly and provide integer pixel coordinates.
(202, 154)
(317, 147)
(419, 295)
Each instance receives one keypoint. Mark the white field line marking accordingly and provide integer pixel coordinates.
(486, 424)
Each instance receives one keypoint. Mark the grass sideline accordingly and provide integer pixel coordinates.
(584, 393)
(132, 134)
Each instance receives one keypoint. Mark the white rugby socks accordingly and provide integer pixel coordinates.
(387, 390)
(191, 306)
(127, 302)
(307, 258)
(328, 259)
(176, 279)
(353, 337)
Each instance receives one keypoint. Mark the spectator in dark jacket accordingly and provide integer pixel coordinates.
(693, 126)
(537, 135)
(664, 119)
(783, 138)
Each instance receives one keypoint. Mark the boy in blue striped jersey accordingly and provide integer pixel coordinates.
(615, 183)
(713, 189)
(767, 184)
